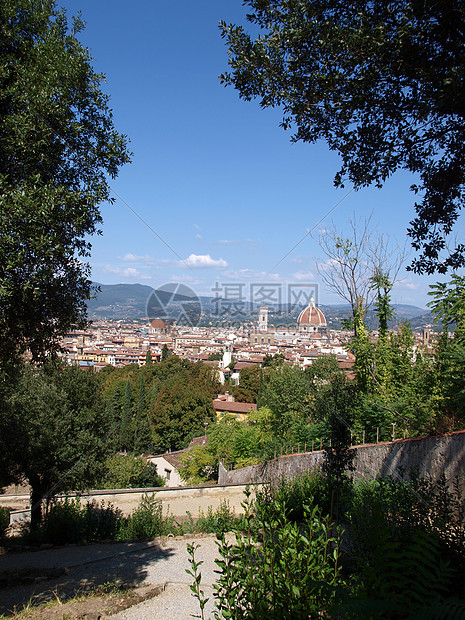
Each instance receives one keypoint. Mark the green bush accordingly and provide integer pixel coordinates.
(406, 540)
(4, 521)
(69, 522)
(295, 493)
(218, 521)
(63, 523)
(275, 569)
(146, 521)
(130, 471)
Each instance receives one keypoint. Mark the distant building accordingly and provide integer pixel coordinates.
(311, 325)
(169, 463)
(157, 326)
(263, 319)
(311, 320)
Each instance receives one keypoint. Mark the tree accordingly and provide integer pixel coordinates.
(355, 261)
(127, 428)
(165, 353)
(286, 393)
(382, 83)
(182, 407)
(324, 369)
(57, 146)
(142, 432)
(273, 361)
(60, 432)
(448, 305)
(247, 391)
(338, 457)
(124, 471)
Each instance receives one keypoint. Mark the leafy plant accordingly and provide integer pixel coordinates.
(69, 522)
(146, 521)
(197, 576)
(310, 488)
(218, 521)
(4, 521)
(276, 568)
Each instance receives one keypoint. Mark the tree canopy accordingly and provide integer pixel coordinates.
(382, 83)
(57, 146)
(54, 432)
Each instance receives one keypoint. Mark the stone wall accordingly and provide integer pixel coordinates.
(175, 501)
(431, 456)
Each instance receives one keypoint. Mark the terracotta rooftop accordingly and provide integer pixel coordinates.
(221, 405)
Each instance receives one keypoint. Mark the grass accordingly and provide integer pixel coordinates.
(105, 598)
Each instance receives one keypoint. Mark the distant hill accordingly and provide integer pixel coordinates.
(128, 301)
(119, 301)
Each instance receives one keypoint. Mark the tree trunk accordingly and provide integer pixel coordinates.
(37, 495)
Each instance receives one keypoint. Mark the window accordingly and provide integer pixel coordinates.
(167, 474)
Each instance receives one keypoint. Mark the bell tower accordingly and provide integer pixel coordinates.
(263, 319)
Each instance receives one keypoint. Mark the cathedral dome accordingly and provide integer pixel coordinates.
(157, 325)
(311, 318)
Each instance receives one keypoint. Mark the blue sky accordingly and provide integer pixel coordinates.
(215, 177)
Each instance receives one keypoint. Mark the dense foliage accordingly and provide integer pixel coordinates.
(395, 550)
(54, 432)
(382, 83)
(159, 406)
(58, 146)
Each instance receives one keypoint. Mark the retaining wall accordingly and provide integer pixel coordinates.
(433, 456)
(175, 501)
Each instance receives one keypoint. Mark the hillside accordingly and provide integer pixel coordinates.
(129, 301)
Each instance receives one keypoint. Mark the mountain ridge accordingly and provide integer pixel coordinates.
(129, 301)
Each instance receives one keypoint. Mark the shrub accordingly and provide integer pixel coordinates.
(275, 569)
(130, 471)
(295, 493)
(146, 521)
(4, 521)
(69, 522)
(389, 522)
(218, 521)
(63, 523)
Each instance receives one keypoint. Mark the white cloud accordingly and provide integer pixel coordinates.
(300, 276)
(197, 236)
(130, 272)
(251, 274)
(111, 269)
(406, 284)
(226, 241)
(131, 258)
(186, 279)
(199, 261)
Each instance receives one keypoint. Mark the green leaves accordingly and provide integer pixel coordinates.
(381, 83)
(57, 146)
(275, 568)
(197, 576)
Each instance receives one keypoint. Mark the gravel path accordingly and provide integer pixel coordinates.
(139, 564)
(177, 601)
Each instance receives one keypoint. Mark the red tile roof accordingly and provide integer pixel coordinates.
(221, 405)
